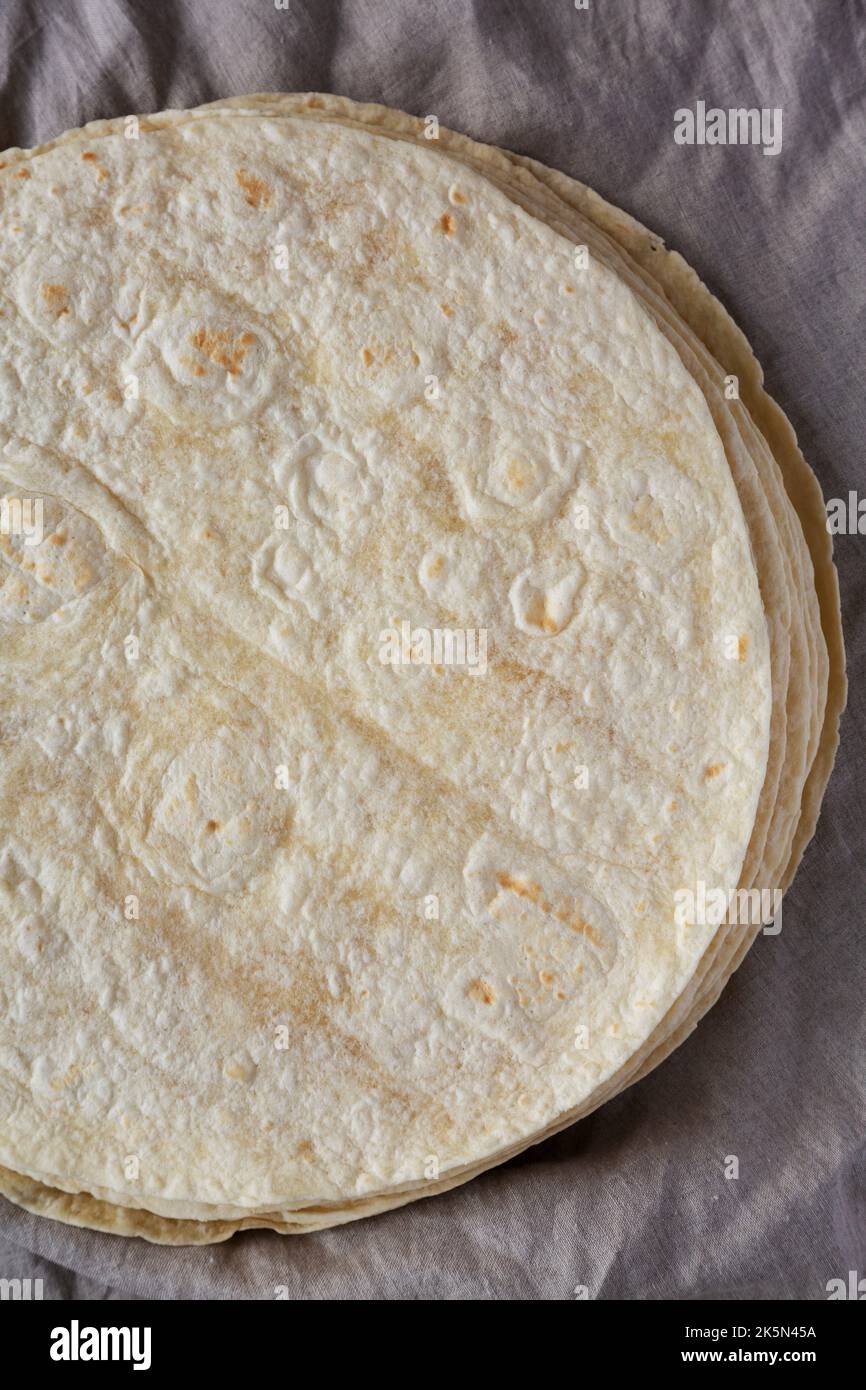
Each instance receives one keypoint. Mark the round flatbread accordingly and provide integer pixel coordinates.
(414, 620)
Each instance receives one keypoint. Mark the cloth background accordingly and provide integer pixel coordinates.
(631, 1202)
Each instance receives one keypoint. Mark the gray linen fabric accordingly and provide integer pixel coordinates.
(632, 1202)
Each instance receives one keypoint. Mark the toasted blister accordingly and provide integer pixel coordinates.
(455, 896)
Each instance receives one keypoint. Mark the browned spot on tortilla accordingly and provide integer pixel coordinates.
(56, 298)
(481, 992)
(315, 103)
(447, 310)
(223, 348)
(368, 357)
(59, 1083)
(565, 913)
(522, 887)
(237, 1071)
(647, 519)
(435, 566)
(447, 224)
(23, 174)
(212, 825)
(88, 154)
(415, 358)
(568, 289)
(83, 576)
(257, 191)
(713, 771)
(518, 475)
(742, 648)
(538, 614)
(573, 920)
(456, 196)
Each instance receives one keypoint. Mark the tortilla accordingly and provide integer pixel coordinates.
(462, 1056)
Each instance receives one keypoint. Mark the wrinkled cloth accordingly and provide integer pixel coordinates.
(632, 1202)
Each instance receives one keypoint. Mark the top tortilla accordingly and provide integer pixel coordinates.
(173, 403)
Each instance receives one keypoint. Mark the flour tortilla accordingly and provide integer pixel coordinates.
(816, 702)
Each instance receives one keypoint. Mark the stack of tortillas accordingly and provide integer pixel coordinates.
(411, 603)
